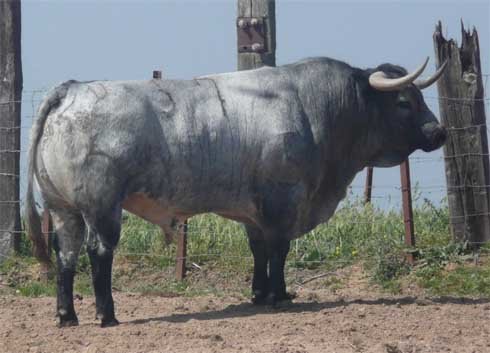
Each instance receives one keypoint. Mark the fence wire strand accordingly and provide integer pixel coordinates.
(32, 98)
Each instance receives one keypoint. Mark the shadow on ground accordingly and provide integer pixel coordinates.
(248, 309)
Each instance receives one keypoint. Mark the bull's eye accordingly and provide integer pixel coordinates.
(404, 104)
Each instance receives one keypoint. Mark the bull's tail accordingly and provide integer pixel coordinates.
(32, 218)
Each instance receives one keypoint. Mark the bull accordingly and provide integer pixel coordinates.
(273, 148)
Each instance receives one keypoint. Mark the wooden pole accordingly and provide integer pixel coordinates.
(264, 13)
(462, 107)
(10, 97)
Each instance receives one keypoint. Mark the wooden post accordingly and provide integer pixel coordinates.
(369, 185)
(264, 11)
(10, 97)
(407, 208)
(462, 107)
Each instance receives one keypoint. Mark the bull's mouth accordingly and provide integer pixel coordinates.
(388, 160)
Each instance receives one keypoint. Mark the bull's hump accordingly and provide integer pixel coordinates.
(238, 74)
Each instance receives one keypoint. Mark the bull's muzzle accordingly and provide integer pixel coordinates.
(436, 137)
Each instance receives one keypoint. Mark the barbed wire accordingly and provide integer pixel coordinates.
(353, 220)
(458, 99)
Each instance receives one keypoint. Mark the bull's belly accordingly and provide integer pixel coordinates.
(170, 217)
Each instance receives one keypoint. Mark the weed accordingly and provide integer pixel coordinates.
(357, 233)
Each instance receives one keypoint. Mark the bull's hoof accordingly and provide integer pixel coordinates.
(278, 299)
(109, 323)
(68, 322)
(259, 297)
(285, 296)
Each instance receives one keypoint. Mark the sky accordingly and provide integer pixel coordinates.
(116, 40)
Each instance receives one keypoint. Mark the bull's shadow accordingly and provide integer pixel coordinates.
(248, 309)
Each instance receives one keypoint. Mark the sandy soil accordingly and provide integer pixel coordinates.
(319, 320)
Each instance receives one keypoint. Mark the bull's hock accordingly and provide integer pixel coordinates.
(272, 148)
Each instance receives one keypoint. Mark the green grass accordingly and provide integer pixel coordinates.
(357, 234)
(464, 280)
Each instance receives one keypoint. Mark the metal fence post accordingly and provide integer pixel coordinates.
(47, 229)
(407, 208)
(369, 185)
(180, 270)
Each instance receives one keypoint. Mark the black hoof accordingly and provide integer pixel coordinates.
(285, 296)
(68, 322)
(259, 298)
(277, 299)
(109, 323)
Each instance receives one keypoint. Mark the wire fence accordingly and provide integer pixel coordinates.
(32, 98)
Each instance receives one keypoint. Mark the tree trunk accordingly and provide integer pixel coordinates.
(10, 97)
(462, 106)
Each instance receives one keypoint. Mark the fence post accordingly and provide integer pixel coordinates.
(47, 229)
(407, 209)
(462, 107)
(10, 105)
(256, 33)
(181, 255)
(369, 185)
(180, 271)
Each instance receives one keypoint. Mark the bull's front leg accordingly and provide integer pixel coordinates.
(260, 281)
(278, 250)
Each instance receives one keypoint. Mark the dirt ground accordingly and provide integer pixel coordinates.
(353, 319)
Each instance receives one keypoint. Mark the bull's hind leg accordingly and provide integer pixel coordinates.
(69, 228)
(103, 236)
(260, 282)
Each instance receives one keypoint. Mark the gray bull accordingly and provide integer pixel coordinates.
(273, 148)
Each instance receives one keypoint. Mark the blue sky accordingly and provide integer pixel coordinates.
(87, 40)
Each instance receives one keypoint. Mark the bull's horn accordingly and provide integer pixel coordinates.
(421, 84)
(381, 82)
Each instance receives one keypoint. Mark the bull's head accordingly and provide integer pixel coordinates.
(406, 123)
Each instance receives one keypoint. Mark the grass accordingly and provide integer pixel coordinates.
(220, 260)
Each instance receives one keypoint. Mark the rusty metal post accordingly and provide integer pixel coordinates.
(369, 185)
(407, 209)
(180, 270)
(47, 229)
